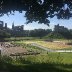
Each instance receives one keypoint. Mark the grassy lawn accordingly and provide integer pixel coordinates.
(51, 62)
(44, 62)
(52, 45)
(21, 38)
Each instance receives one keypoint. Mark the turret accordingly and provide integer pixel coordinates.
(1, 24)
(22, 26)
(6, 25)
(13, 25)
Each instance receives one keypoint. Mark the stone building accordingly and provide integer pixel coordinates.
(2, 26)
(58, 28)
(17, 28)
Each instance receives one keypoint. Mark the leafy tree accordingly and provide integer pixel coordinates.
(37, 10)
(3, 35)
(54, 35)
(70, 31)
(39, 32)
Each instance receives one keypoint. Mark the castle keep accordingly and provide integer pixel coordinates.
(14, 28)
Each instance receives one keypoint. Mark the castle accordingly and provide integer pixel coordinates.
(58, 28)
(2, 25)
(17, 28)
(14, 28)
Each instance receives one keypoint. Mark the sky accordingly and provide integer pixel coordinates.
(19, 19)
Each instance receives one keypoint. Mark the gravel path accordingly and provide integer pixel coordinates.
(11, 50)
(49, 50)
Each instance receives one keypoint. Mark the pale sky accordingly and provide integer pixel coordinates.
(19, 19)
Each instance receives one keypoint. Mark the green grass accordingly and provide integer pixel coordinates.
(56, 58)
(29, 47)
(21, 38)
(45, 62)
(62, 45)
(51, 62)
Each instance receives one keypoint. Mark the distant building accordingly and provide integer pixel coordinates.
(2, 27)
(14, 28)
(58, 28)
(5, 25)
(13, 25)
(1, 24)
(17, 28)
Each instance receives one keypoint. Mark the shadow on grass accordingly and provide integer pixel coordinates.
(39, 68)
(22, 65)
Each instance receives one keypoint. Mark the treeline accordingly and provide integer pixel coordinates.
(4, 34)
(64, 34)
(24, 33)
(42, 33)
(31, 33)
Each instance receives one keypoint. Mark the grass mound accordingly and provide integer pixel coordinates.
(54, 35)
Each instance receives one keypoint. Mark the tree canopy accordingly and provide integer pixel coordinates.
(38, 10)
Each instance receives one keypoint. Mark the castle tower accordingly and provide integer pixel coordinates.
(13, 25)
(56, 28)
(22, 26)
(6, 25)
(1, 24)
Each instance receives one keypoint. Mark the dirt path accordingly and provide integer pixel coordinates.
(19, 49)
(11, 50)
(49, 50)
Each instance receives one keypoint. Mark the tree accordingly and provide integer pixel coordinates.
(3, 35)
(39, 32)
(37, 10)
